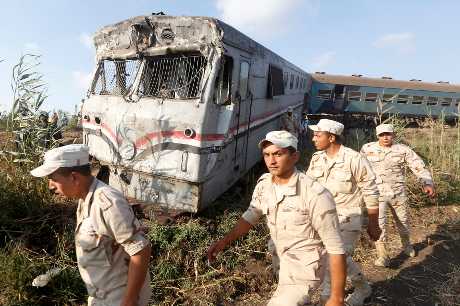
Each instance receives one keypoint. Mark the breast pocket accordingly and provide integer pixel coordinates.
(373, 158)
(342, 181)
(298, 223)
(92, 249)
(317, 173)
(396, 162)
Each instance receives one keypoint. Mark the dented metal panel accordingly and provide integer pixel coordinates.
(166, 112)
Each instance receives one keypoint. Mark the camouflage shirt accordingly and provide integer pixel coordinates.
(389, 165)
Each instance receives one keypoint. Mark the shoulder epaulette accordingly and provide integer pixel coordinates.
(263, 177)
(104, 200)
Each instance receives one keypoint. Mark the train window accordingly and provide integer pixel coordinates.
(291, 83)
(274, 82)
(244, 77)
(446, 101)
(389, 98)
(324, 94)
(403, 99)
(223, 86)
(371, 97)
(297, 82)
(417, 99)
(175, 76)
(432, 101)
(354, 95)
(115, 77)
(286, 79)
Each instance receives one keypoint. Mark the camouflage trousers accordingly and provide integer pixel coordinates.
(300, 273)
(397, 206)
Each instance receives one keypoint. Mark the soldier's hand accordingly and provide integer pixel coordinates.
(429, 190)
(215, 249)
(373, 228)
(374, 231)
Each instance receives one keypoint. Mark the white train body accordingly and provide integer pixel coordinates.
(178, 105)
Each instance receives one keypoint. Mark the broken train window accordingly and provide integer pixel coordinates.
(223, 83)
(115, 77)
(172, 76)
(275, 82)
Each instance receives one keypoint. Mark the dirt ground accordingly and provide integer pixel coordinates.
(422, 280)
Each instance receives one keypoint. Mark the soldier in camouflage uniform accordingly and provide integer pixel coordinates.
(303, 225)
(290, 123)
(388, 160)
(348, 176)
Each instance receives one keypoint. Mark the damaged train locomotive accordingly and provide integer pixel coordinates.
(178, 104)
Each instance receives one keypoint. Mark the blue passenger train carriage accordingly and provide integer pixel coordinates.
(338, 94)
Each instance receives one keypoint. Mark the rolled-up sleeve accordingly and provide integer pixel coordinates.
(255, 209)
(121, 223)
(365, 179)
(326, 223)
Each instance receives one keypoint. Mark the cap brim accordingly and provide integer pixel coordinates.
(381, 132)
(314, 128)
(43, 170)
(262, 142)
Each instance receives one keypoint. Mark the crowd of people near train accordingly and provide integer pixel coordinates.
(315, 217)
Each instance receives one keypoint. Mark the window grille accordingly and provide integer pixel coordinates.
(173, 77)
(115, 77)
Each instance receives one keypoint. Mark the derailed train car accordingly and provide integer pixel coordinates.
(358, 95)
(178, 104)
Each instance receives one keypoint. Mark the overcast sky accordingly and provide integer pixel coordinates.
(403, 39)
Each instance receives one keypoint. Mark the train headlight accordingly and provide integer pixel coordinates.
(189, 133)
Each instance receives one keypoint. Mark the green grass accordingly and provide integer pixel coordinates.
(37, 235)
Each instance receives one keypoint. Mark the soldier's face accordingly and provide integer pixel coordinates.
(280, 161)
(62, 185)
(386, 139)
(322, 140)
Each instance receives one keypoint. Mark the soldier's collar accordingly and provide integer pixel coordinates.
(291, 187)
(91, 190)
(339, 156)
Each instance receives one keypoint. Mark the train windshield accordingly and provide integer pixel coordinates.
(115, 77)
(173, 76)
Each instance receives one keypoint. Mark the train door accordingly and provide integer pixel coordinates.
(242, 116)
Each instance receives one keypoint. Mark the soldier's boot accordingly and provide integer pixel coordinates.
(362, 291)
(407, 247)
(383, 260)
